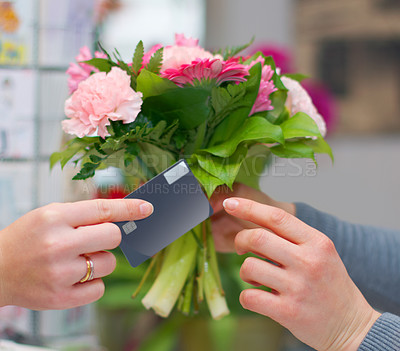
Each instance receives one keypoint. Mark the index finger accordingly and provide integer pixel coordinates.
(101, 211)
(273, 218)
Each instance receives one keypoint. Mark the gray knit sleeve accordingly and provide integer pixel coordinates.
(384, 335)
(371, 256)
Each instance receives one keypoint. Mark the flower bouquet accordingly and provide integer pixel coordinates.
(222, 112)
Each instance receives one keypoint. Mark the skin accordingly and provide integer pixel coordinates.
(312, 293)
(41, 258)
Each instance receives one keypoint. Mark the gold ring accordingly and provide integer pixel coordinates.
(90, 270)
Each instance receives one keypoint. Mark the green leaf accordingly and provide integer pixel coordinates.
(112, 144)
(220, 98)
(137, 60)
(103, 65)
(151, 84)
(158, 130)
(232, 51)
(155, 62)
(86, 171)
(132, 149)
(269, 60)
(73, 147)
(255, 129)
(103, 50)
(208, 181)
(188, 105)
(95, 158)
(180, 139)
(300, 125)
(155, 158)
(224, 168)
(279, 113)
(305, 148)
(236, 118)
(169, 132)
(320, 146)
(293, 149)
(296, 76)
(253, 166)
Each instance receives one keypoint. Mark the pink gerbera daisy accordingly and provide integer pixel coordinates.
(206, 71)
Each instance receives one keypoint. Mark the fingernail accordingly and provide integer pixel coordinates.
(230, 204)
(146, 209)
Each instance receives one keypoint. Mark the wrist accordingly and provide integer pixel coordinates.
(351, 338)
(357, 338)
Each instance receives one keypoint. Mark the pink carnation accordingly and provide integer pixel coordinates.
(176, 56)
(81, 71)
(207, 70)
(298, 100)
(100, 98)
(181, 40)
(184, 52)
(267, 87)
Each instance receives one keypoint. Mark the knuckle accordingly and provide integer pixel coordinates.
(278, 216)
(249, 209)
(258, 238)
(104, 210)
(50, 215)
(50, 249)
(132, 208)
(326, 245)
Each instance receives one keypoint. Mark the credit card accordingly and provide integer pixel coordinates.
(179, 205)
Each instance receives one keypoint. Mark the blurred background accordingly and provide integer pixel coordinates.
(351, 49)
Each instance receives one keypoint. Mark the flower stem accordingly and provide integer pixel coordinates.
(178, 261)
(212, 282)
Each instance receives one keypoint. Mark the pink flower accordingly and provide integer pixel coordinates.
(181, 40)
(267, 87)
(206, 70)
(100, 98)
(184, 52)
(81, 71)
(176, 56)
(298, 100)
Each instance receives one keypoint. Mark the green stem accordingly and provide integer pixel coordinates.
(212, 282)
(188, 296)
(146, 275)
(178, 261)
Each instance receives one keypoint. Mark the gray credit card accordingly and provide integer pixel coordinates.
(179, 205)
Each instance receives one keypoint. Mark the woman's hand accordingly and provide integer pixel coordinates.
(224, 226)
(312, 294)
(41, 258)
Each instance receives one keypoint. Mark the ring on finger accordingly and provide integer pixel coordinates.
(90, 270)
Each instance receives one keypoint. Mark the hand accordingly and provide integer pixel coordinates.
(312, 294)
(41, 258)
(224, 226)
